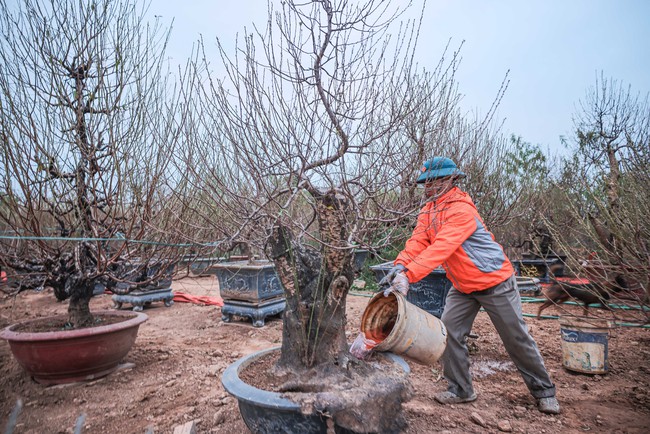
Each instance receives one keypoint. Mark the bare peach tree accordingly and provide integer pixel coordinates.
(86, 130)
(307, 149)
(605, 186)
(300, 149)
(525, 185)
(504, 174)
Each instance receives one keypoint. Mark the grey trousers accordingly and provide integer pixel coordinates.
(503, 305)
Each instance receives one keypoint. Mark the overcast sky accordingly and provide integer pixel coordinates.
(554, 50)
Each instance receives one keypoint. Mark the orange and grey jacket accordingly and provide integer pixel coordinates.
(451, 233)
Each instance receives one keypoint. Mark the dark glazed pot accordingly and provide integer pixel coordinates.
(428, 294)
(267, 412)
(74, 355)
(250, 289)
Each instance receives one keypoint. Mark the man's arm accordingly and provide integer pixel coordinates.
(419, 239)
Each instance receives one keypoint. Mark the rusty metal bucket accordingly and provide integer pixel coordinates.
(403, 328)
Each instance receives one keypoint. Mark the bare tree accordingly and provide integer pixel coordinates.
(438, 126)
(500, 179)
(605, 182)
(525, 177)
(87, 129)
(299, 148)
(307, 149)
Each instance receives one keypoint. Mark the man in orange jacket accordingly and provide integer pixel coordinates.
(451, 233)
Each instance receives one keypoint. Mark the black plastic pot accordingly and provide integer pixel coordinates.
(428, 294)
(359, 257)
(267, 412)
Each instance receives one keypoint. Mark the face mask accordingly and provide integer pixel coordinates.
(434, 190)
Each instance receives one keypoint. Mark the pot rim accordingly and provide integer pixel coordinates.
(264, 398)
(585, 322)
(245, 264)
(136, 319)
(245, 392)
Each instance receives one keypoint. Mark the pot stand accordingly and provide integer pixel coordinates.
(139, 299)
(256, 312)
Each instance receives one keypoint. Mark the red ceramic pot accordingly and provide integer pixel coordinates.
(74, 355)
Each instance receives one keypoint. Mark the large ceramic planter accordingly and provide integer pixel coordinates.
(539, 268)
(428, 294)
(529, 286)
(160, 290)
(249, 289)
(200, 267)
(359, 257)
(267, 412)
(74, 355)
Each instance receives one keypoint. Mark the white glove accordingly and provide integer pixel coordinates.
(388, 278)
(400, 283)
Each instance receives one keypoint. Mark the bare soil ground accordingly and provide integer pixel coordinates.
(182, 350)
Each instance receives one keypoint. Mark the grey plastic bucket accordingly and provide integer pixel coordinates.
(403, 328)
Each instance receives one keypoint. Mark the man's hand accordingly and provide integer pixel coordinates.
(400, 283)
(388, 278)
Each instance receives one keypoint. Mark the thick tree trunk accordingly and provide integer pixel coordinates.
(316, 285)
(79, 310)
(313, 330)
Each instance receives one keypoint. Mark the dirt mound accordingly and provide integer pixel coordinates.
(182, 350)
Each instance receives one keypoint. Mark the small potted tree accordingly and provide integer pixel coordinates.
(144, 284)
(84, 135)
